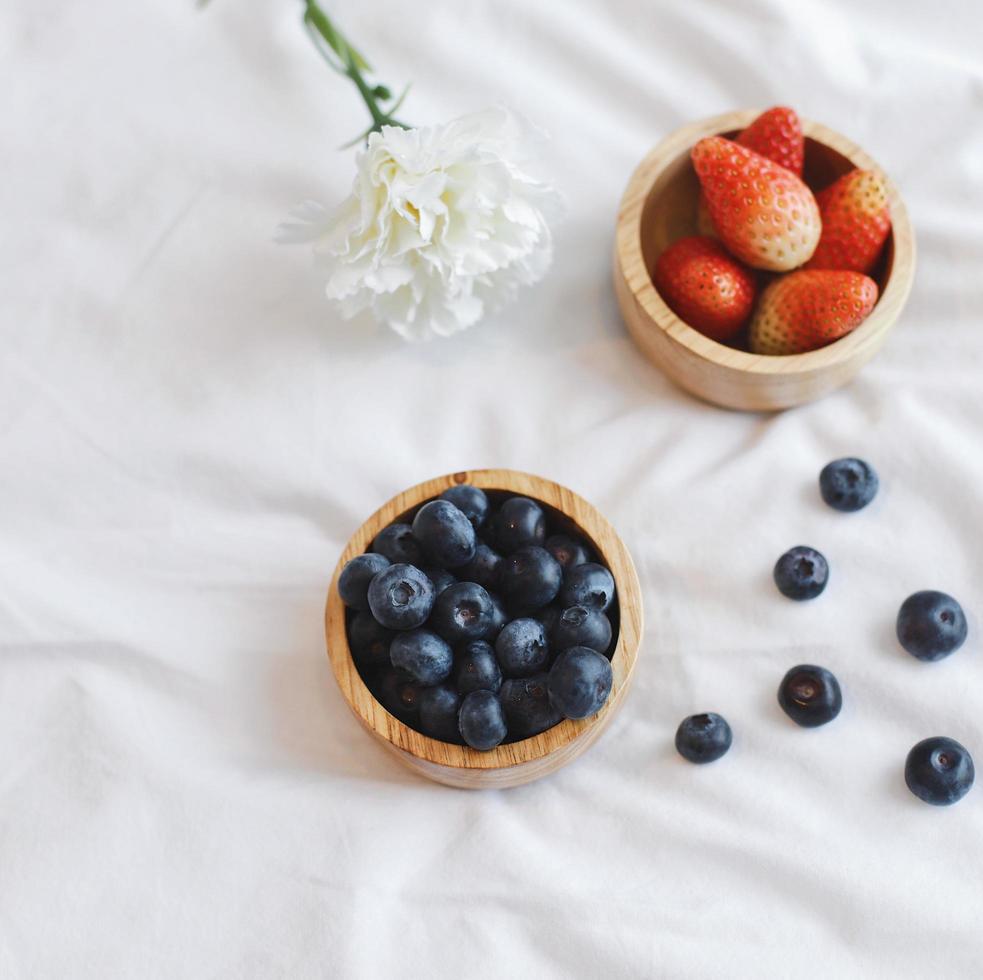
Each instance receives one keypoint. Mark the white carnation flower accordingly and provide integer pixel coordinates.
(443, 224)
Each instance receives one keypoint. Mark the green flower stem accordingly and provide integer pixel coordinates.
(346, 60)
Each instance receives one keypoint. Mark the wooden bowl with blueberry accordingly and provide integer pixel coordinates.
(761, 259)
(484, 626)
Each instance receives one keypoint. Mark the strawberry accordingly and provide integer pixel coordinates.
(777, 135)
(763, 213)
(810, 308)
(705, 286)
(856, 222)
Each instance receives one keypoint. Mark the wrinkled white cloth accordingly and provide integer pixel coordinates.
(189, 435)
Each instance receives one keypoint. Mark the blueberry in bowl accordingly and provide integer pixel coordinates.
(444, 533)
(522, 648)
(401, 597)
(463, 612)
(530, 578)
(391, 659)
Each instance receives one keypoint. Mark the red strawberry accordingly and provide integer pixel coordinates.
(705, 286)
(777, 135)
(763, 213)
(809, 309)
(856, 222)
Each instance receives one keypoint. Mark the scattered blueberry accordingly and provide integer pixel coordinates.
(810, 695)
(567, 551)
(939, 771)
(848, 484)
(527, 707)
(397, 543)
(483, 567)
(530, 578)
(703, 738)
(579, 626)
(801, 573)
(589, 585)
(519, 522)
(481, 720)
(463, 612)
(423, 655)
(477, 669)
(369, 642)
(441, 578)
(931, 625)
(471, 501)
(522, 648)
(444, 533)
(439, 707)
(580, 682)
(353, 583)
(401, 597)
(399, 694)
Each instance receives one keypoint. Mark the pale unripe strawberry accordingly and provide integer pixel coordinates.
(856, 222)
(764, 214)
(810, 308)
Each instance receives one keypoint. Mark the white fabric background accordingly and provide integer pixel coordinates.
(189, 436)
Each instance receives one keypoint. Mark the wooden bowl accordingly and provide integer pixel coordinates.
(659, 206)
(517, 762)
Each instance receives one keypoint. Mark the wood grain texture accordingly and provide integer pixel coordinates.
(659, 206)
(518, 762)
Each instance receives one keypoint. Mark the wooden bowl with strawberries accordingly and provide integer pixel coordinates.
(785, 306)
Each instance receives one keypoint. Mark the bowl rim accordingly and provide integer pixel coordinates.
(610, 547)
(636, 275)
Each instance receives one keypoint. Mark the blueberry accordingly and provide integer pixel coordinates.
(579, 626)
(369, 642)
(703, 738)
(939, 771)
(567, 551)
(848, 484)
(522, 647)
(471, 501)
(931, 625)
(527, 707)
(353, 583)
(810, 695)
(399, 694)
(440, 577)
(397, 543)
(519, 522)
(483, 567)
(463, 612)
(499, 616)
(481, 720)
(439, 707)
(530, 578)
(444, 533)
(401, 597)
(801, 573)
(423, 655)
(589, 585)
(477, 669)
(580, 682)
